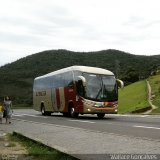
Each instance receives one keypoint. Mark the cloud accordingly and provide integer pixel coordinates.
(27, 27)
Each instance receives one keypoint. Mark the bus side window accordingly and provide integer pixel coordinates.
(71, 84)
(68, 78)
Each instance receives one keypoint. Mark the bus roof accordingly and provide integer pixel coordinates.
(86, 69)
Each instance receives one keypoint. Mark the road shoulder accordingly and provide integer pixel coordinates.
(82, 142)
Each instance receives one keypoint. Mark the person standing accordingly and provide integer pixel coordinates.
(7, 109)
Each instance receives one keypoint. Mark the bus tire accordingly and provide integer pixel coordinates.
(48, 113)
(72, 113)
(65, 114)
(100, 115)
(43, 110)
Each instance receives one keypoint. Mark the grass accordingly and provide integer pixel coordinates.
(155, 85)
(133, 97)
(38, 150)
(156, 111)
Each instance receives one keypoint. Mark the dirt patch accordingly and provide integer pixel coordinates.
(12, 150)
(10, 147)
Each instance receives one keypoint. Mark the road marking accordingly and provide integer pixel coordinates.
(144, 115)
(146, 127)
(18, 115)
(129, 115)
(81, 121)
(133, 116)
(31, 115)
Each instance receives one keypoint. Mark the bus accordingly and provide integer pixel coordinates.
(77, 90)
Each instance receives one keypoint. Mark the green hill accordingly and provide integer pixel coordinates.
(16, 79)
(133, 97)
(155, 85)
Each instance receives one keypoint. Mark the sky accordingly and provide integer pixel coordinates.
(32, 26)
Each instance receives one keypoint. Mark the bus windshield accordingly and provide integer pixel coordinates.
(101, 87)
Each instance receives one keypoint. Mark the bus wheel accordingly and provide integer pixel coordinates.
(43, 110)
(73, 113)
(65, 114)
(48, 113)
(100, 115)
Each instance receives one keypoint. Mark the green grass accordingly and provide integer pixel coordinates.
(38, 150)
(156, 111)
(133, 97)
(155, 85)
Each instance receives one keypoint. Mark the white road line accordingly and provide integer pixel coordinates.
(144, 115)
(18, 115)
(31, 115)
(146, 127)
(130, 115)
(134, 116)
(81, 121)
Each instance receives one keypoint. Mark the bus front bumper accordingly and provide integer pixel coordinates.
(106, 110)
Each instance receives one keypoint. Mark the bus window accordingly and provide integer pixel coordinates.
(68, 78)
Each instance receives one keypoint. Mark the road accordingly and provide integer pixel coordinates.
(138, 126)
(89, 138)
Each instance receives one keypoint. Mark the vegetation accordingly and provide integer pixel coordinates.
(155, 85)
(38, 150)
(16, 79)
(156, 111)
(133, 97)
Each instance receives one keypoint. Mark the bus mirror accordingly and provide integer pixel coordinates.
(83, 80)
(120, 83)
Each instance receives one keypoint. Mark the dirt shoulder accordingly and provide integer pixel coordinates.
(9, 147)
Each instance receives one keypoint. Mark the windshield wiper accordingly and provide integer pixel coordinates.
(99, 91)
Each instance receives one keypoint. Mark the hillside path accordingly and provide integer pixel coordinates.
(150, 98)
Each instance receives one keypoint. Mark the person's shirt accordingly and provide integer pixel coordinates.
(8, 104)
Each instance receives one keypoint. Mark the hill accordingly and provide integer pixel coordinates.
(133, 97)
(155, 85)
(16, 79)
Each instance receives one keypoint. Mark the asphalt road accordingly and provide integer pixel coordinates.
(139, 126)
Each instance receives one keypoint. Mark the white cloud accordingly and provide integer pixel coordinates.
(30, 26)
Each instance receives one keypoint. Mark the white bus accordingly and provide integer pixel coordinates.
(77, 90)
